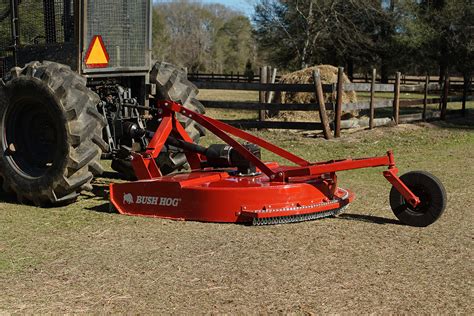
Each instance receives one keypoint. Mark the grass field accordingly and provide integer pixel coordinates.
(84, 259)
(252, 96)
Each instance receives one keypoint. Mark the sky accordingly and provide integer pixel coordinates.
(245, 6)
(241, 5)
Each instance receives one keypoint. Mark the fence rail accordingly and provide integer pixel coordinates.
(237, 77)
(238, 105)
(358, 78)
(408, 79)
(274, 124)
(266, 104)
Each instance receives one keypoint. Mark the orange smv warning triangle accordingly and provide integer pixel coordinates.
(97, 56)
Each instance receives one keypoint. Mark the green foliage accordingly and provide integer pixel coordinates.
(160, 38)
(249, 73)
(395, 35)
(31, 23)
(202, 37)
(233, 44)
(5, 33)
(299, 33)
(439, 32)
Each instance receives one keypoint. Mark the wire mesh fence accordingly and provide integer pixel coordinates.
(122, 25)
(47, 21)
(39, 23)
(5, 34)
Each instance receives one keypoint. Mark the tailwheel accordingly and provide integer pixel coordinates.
(431, 193)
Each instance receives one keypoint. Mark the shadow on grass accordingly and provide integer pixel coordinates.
(369, 219)
(103, 208)
(100, 191)
(456, 122)
(111, 175)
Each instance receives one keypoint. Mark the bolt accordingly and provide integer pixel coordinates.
(166, 104)
(160, 111)
(272, 176)
(12, 148)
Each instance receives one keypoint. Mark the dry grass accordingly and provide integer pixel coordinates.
(82, 259)
(227, 95)
(328, 76)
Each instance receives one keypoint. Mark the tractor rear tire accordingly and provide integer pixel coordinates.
(51, 140)
(431, 193)
(172, 84)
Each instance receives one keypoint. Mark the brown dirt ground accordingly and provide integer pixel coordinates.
(82, 259)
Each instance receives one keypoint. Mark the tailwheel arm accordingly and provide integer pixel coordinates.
(410, 197)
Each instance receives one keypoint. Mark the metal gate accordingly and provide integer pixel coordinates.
(124, 26)
(40, 25)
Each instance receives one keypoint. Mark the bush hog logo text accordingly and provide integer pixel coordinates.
(150, 200)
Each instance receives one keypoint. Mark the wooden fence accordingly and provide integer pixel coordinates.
(266, 90)
(230, 77)
(358, 78)
(408, 79)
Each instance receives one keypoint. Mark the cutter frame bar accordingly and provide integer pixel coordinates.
(146, 168)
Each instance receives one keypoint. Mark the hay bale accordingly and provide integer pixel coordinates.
(328, 75)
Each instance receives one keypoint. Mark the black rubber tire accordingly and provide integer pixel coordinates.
(432, 195)
(51, 140)
(172, 84)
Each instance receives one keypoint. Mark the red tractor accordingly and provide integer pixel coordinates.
(79, 85)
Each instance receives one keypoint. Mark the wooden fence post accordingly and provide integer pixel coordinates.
(271, 79)
(396, 98)
(425, 97)
(372, 99)
(464, 94)
(340, 83)
(322, 104)
(262, 94)
(444, 105)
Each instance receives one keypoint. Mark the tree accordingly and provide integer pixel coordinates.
(249, 73)
(440, 32)
(285, 29)
(201, 37)
(233, 44)
(160, 37)
(296, 33)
